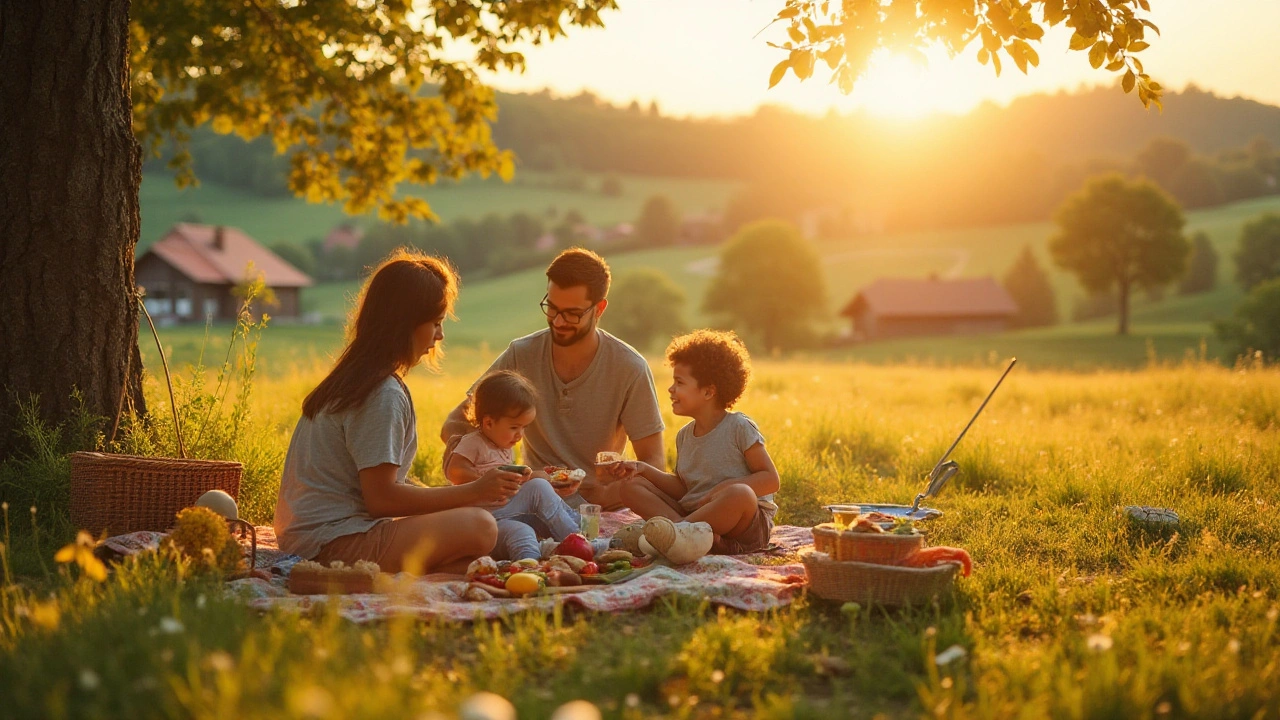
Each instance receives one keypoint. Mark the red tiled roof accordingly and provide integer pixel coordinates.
(191, 249)
(347, 236)
(931, 297)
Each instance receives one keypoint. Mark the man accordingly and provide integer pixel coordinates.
(594, 391)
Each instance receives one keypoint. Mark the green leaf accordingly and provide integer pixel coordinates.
(780, 70)
(1138, 46)
(789, 11)
(1115, 65)
(795, 33)
(995, 62)
(983, 56)
(1128, 81)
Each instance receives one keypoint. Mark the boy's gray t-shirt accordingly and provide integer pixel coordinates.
(614, 399)
(320, 496)
(707, 461)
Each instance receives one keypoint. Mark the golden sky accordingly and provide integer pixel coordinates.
(701, 58)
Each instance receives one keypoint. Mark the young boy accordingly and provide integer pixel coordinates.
(724, 476)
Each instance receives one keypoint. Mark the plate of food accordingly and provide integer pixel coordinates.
(488, 579)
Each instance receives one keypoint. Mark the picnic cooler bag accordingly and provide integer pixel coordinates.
(126, 493)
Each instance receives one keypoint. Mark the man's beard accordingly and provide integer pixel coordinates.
(573, 339)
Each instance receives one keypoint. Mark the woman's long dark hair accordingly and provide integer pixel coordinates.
(408, 289)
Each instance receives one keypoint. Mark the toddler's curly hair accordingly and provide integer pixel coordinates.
(715, 357)
(500, 394)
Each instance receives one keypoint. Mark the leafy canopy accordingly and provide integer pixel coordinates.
(363, 94)
(645, 305)
(844, 33)
(770, 281)
(1258, 256)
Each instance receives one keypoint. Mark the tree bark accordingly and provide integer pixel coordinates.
(1125, 286)
(70, 169)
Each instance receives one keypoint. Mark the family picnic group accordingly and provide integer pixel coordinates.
(568, 392)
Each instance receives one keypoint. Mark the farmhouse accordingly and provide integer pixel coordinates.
(189, 273)
(904, 307)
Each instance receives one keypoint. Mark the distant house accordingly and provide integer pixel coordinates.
(189, 273)
(345, 235)
(903, 307)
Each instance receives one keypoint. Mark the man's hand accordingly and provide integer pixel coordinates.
(496, 486)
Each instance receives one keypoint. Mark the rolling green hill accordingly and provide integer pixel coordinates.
(275, 219)
(493, 311)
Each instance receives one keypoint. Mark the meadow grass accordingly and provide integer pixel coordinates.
(1073, 611)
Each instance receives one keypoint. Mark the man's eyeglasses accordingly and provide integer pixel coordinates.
(572, 316)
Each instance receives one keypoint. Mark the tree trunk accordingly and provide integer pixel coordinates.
(1124, 307)
(70, 169)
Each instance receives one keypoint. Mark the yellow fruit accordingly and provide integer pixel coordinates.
(524, 583)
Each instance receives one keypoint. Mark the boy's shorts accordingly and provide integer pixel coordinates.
(754, 539)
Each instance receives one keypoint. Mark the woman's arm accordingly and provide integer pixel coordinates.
(764, 479)
(384, 497)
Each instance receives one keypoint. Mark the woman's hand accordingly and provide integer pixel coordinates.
(496, 486)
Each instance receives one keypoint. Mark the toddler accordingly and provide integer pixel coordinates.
(502, 407)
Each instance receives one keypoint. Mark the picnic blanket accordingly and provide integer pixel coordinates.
(742, 582)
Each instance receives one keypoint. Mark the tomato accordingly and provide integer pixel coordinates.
(590, 569)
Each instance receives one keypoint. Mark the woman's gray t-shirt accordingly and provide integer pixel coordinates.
(320, 496)
(720, 455)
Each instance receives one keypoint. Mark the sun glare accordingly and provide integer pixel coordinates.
(896, 86)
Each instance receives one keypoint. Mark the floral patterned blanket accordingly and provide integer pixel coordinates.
(752, 582)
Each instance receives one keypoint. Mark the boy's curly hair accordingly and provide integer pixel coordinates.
(714, 357)
(500, 394)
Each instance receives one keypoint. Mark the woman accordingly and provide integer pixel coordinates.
(344, 494)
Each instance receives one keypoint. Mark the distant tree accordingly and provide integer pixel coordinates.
(659, 222)
(526, 228)
(645, 305)
(1196, 185)
(1258, 258)
(1162, 159)
(1120, 233)
(770, 282)
(1094, 306)
(1256, 322)
(296, 256)
(569, 231)
(1029, 286)
(1202, 270)
(611, 186)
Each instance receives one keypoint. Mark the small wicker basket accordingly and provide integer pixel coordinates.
(125, 493)
(882, 548)
(871, 583)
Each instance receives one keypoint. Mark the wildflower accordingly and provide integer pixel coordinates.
(1233, 646)
(950, 655)
(717, 676)
(171, 626)
(80, 552)
(200, 601)
(221, 661)
(633, 700)
(89, 679)
(1098, 643)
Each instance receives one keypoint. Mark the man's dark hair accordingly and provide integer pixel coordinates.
(581, 267)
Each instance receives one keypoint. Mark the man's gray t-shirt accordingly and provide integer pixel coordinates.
(707, 461)
(614, 399)
(320, 496)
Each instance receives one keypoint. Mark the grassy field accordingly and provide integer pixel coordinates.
(1072, 611)
(273, 220)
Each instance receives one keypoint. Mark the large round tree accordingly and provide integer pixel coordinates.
(1118, 233)
(363, 96)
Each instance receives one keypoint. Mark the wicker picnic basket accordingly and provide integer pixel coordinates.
(863, 582)
(882, 548)
(126, 493)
